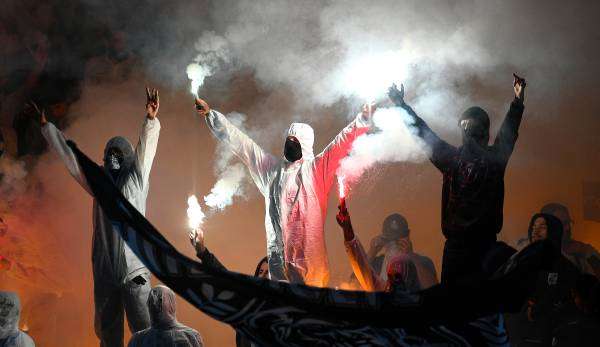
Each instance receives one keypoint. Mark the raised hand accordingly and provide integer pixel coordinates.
(197, 240)
(343, 220)
(519, 86)
(40, 113)
(397, 96)
(368, 110)
(152, 103)
(202, 107)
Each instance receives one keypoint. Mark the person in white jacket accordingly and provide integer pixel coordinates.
(121, 281)
(295, 187)
(10, 313)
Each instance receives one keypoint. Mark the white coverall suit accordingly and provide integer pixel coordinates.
(121, 281)
(295, 194)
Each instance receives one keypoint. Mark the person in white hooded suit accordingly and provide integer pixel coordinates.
(295, 187)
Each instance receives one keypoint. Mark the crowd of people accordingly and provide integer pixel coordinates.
(562, 309)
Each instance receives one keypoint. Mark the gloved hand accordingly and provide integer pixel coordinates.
(397, 96)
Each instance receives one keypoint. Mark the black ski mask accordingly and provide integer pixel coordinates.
(475, 126)
(293, 149)
(113, 161)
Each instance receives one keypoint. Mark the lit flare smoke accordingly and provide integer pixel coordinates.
(370, 76)
(212, 54)
(194, 213)
(341, 188)
(228, 186)
(393, 141)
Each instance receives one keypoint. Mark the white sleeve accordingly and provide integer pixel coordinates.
(259, 162)
(146, 148)
(57, 142)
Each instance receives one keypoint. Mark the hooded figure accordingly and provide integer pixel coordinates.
(10, 313)
(121, 281)
(549, 306)
(295, 187)
(585, 256)
(473, 181)
(165, 331)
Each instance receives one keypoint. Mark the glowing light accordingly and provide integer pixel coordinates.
(342, 189)
(194, 213)
(370, 76)
(196, 74)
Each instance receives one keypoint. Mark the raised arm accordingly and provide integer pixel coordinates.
(259, 162)
(207, 258)
(58, 144)
(509, 131)
(441, 152)
(328, 161)
(363, 271)
(148, 142)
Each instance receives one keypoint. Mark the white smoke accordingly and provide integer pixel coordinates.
(228, 186)
(391, 141)
(212, 54)
(194, 213)
(230, 176)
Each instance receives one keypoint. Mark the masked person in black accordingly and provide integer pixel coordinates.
(473, 181)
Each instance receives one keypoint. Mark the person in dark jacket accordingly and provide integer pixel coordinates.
(473, 181)
(583, 255)
(550, 306)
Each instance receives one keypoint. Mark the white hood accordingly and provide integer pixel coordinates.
(306, 136)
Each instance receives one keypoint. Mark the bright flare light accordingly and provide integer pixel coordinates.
(196, 74)
(342, 189)
(194, 213)
(370, 76)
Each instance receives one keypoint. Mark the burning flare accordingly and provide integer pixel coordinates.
(342, 189)
(194, 213)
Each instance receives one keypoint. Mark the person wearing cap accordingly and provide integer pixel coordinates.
(295, 186)
(395, 240)
(473, 181)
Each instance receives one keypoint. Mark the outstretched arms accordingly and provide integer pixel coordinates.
(441, 151)
(363, 271)
(259, 162)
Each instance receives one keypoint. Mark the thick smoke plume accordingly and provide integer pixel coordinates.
(212, 55)
(230, 175)
(391, 141)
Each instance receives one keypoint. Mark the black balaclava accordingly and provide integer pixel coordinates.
(113, 161)
(293, 149)
(475, 126)
(555, 229)
(553, 208)
(394, 227)
(118, 154)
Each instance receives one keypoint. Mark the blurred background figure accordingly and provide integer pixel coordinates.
(395, 240)
(165, 330)
(550, 306)
(10, 313)
(583, 255)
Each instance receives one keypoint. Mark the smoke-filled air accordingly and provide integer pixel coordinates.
(262, 65)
